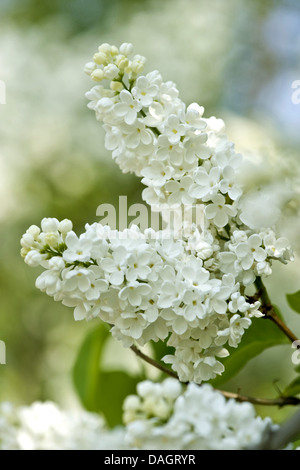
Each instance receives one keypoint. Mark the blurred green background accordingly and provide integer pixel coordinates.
(237, 58)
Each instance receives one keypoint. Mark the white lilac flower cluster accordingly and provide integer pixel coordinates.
(44, 426)
(167, 416)
(161, 416)
(188, 291)
(149, 288)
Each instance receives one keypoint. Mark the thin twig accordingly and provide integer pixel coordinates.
(280, 401)
(269, 311)
(153, 363)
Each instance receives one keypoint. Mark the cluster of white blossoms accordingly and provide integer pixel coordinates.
(166, 416)
(161, 416)
(150, 288)
(44, 426)
(148, 285)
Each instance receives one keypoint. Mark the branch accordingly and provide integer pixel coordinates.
(153, 363)
(281, 401)
(269, 311)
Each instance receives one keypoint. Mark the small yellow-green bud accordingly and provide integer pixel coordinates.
(97, 75)
(116, 86)
(100, 58)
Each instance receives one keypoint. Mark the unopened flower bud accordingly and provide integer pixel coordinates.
(49, 224)
(97, 75)
(89, 68)
(116, 86)
(126, 48)
(65, 226)
(34, 231)
(111, 71)
(100, 58)
(51, 239)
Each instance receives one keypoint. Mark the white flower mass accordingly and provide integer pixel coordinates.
(162, 415)
(188, 291)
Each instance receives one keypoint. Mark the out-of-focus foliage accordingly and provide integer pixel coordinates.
(237, 58)
(294, 301)
(102, 391)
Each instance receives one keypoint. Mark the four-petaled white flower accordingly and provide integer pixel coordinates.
(250, 251)
(179, 191)
(219, 211)
(78, 249)
(134, 293)
(174, 129)
(144, 91)
(127, 108)
(206, 184)
(234, 331)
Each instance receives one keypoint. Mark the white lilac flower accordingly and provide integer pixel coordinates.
(115, 267)
(219, 211)
(114, 138)
(179, 191)
(171, 293)
(104, 109)
(172, 153)
(234, 331)
(195, 307)
(157, 173)
(276, 247)
(195, 148)
(127, 108)
(196, 275)
(134, 292)
(193, 116)
(250, 251)
(49, 282)
(136, 134)
(131, 324)
(138, 265)
(206, 184)
(228, 184)
(78, 249)
(174, 129)
(145, 91)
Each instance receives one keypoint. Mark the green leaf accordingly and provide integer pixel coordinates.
(293, 388)
(294, 301)
(101, 391)
(261, 335)
(86, 368)
(113, 388)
